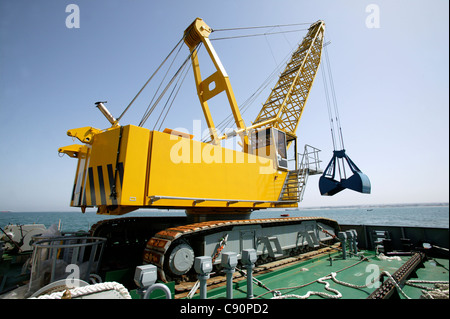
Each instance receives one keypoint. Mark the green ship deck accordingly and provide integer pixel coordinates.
(300, 278)
(414, 265)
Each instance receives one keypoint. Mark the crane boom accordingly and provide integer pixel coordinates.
(287, 100)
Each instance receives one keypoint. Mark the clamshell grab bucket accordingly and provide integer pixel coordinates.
(329, 185)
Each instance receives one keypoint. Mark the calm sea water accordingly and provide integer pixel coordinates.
(424, 216)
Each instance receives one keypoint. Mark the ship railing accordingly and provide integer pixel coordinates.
(65, 257)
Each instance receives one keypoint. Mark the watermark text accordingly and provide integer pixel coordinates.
(73, 19)
(373, 19)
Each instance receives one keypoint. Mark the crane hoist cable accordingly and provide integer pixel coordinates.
(151, 77)
(175, 90)
(333, 113)
(334, 179)
(227, 121)
(151, 106)
(262, 27)
(257, 34)
(333, 95)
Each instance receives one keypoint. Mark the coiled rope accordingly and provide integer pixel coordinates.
(88, 290)
(310, 293)
(439, 291)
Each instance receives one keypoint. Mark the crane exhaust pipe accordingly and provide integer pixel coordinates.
(106, 113)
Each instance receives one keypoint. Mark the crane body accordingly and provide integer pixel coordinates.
(125, 168)
(169, 170)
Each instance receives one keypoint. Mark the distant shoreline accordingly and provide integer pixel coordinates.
(376, 206)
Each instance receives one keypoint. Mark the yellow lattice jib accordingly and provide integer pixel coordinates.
(287, 100)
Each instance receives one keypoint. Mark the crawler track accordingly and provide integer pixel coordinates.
(132, 241)
(160, 244)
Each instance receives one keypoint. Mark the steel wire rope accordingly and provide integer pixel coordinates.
(148, 81)
(227, 120)
(247, 103)
(178, 87)
(327, 73)
(250, 100)
(262, 27)
(170, 53)
(330, 115)
(177, 73)
(169, 99)
(151, 107)
(333, 95)
(256, 34)
(270, 49)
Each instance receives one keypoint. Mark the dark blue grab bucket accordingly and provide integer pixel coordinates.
(334, 179)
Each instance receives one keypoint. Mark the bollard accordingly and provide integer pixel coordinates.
(248, 260)
(343, 238)
(229, 262)
(355, 243)
(203, 267)
(351, 241)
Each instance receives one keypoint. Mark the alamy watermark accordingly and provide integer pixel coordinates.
(229, 151)
(372, 280)
(373, 19)
(73, 279)
(73, 19)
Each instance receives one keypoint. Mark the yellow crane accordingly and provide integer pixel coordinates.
(124, 168)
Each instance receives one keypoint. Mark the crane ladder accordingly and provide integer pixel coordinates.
(295, 183)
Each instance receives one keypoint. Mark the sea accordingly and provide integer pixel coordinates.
(436, 216)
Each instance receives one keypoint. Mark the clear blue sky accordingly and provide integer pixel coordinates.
(391, 84)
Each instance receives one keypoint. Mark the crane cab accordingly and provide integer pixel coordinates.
(271, 143)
